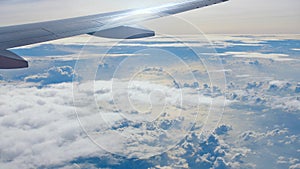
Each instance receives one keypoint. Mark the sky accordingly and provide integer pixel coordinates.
(262, 91)
(234, 16)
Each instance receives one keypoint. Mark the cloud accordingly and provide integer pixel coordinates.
(223, 129)
(53, 75)
(297, 89)
(295, 166)
(277, 85)
(192, 152)
(273, 94)
(220, 164)
(39, 126)
(35, 118)
(273, 56)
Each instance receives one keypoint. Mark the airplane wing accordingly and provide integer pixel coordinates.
(108, 25)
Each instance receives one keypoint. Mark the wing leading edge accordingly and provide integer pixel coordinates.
(105, 25)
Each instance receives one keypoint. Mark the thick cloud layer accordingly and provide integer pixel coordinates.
(39, 126)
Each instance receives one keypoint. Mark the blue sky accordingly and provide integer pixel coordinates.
(235, 16)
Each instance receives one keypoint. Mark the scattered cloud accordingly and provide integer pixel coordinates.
(39, 126)
(53, 75)
(273, 56)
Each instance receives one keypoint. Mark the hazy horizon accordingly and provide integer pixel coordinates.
(232, 17)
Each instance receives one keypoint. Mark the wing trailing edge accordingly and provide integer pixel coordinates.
(124, 32)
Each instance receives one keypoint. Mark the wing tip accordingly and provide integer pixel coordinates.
(9, 60)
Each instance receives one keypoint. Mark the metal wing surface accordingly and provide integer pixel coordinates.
(108, 25)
